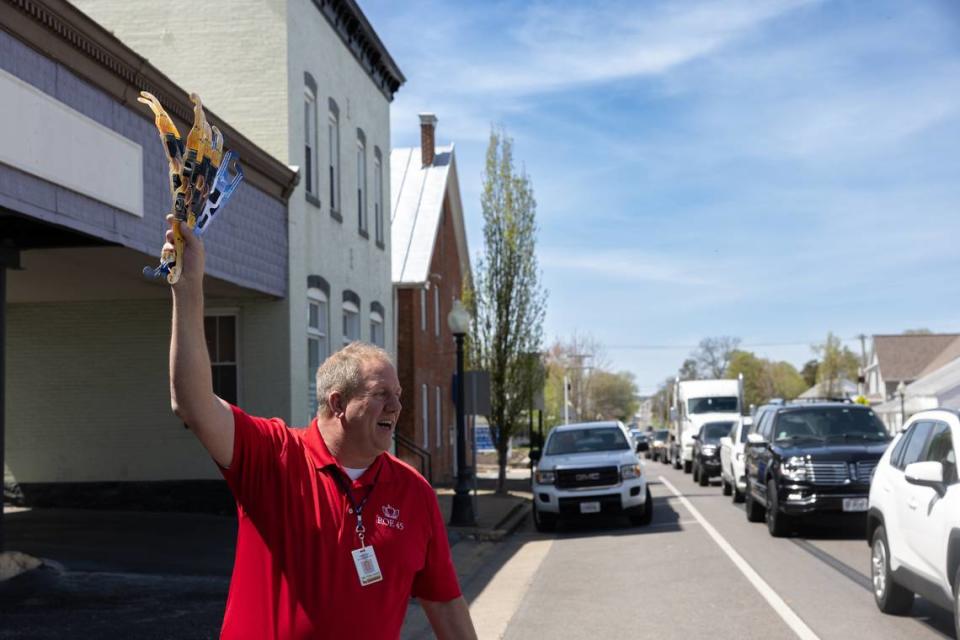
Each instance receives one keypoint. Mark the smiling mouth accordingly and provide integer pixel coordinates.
(386, 424)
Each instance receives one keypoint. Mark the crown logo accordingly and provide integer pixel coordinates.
(390, 511)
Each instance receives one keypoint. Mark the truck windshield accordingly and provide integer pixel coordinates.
(661, 435)
(829, 423)
(713, 431)
(586, 440)
(721, 404)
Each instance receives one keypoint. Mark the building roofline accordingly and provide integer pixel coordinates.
(356, 32)
(60, 31)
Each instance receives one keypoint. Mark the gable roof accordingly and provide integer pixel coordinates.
(417, 194)
(907, 357)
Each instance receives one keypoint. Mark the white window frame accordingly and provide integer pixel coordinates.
(333, 158)
(310, 140)
(235, 313)
(439, 408)
(376, 320)
(362, 185)
(425, 420)
(350, 309)
(320, 334)
(436, 311)
(378, 196)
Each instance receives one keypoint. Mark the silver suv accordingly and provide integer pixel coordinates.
(590, 468)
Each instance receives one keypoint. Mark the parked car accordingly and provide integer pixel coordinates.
(641, 437)
(913, 523)
(589, 468)
(706, 451)
(811, 459)
(658, 447)
(731, 459)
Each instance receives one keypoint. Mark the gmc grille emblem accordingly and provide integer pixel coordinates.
(588, 476)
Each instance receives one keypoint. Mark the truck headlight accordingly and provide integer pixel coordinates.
(629, 471)
(795, 468)
(546, 477)
(708, 450)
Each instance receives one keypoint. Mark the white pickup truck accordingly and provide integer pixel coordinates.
(732, 471)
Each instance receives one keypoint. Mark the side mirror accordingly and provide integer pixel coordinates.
(755, 440)
(642, 446)
(926, 474)
(726, 441)
(535, 455)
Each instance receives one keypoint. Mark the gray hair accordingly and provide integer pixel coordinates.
(343, 372)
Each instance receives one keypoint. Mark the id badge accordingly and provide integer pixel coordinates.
(368, 569)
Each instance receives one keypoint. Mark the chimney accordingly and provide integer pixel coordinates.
(428, 128)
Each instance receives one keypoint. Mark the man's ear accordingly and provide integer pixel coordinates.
(336, 403)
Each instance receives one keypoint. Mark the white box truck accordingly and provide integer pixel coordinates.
(696, 402)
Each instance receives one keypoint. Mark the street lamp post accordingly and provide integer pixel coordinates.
(461, 515)
(902, 392)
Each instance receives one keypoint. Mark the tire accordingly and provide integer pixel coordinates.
(704, 479)
(778, 524)
(727, 489)
(544, 522)
(754, 510)
(956, 604)
(890, 597)
(643, 518)
(677, 464)
(737, 494)
(696, 473)
(687, 466)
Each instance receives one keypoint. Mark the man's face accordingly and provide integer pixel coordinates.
(371, 415)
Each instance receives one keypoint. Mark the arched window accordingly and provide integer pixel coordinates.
(378, 196)
(376, 324)
(362, 183)
(333, 155)
(351, 317)
(310, 134)
(318, 333)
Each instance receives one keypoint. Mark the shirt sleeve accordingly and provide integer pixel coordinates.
(437, 580)
(259, 445)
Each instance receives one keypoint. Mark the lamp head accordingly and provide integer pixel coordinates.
(458, 319)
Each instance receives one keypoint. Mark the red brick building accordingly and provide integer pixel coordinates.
(430, 261)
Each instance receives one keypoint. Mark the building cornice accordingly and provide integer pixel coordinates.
(63, 33)
(362, 41)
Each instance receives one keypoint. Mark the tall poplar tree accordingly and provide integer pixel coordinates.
(508, 301)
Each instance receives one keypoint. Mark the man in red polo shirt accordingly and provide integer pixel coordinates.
(335, 534)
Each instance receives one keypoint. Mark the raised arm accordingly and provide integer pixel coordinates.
(191, 382)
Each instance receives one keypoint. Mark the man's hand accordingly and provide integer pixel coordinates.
(191, 381)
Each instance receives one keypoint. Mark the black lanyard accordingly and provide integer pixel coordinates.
(357, 508)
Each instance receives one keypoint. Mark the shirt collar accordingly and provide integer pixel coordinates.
(322, 458)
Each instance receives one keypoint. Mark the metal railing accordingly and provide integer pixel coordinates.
(426, 460)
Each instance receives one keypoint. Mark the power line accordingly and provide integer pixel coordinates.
(678, 347)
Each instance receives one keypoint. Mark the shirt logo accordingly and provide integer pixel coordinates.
(390, 517)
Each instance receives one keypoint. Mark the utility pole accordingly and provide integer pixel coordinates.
(863, 350)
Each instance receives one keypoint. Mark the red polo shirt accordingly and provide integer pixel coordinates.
(294, 575)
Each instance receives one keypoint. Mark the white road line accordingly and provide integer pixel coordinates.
(793, 621)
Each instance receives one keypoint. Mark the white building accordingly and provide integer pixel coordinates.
(310, 82)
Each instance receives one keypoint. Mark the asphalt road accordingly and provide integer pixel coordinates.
(673, 579)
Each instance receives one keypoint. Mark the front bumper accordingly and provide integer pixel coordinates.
(710, 465)
(805, 499)
(628, 494)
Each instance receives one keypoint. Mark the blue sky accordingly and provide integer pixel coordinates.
(767, 170)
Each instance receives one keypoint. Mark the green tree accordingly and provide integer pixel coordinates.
(809, 372)
(837, 363)
(763, 379)
(688, 370)
(713, 355)
(508, 300)
(613, 395)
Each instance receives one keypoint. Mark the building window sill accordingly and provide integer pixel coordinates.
(314, 200)
(336, 215)
(381, 246)
(364, 234)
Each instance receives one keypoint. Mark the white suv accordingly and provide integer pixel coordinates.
(589, 468)
(732, 467)
(913, 522)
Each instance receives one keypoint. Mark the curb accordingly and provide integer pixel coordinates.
(507, 525)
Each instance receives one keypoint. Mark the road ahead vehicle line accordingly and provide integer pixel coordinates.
(792, 620)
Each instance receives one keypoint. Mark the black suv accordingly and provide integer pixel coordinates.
(809, 459)
(706, 451)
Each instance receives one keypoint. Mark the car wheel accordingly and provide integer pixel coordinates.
(778, 524)
(677, 464)
(890, 597)
(643, 518)
(696, 472)
(754, 510)
(737, 494)
(704, 479)
(544, 522)
(956, 604)
(727, 489)
(687, 466)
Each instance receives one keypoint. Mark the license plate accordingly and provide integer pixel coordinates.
(589, 507)
(854, 504)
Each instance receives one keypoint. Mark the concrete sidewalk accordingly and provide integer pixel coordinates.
(164, 575)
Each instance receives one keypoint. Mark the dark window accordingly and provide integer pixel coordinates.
(897, 452)
(940, 449)
(829, 423)
(713, 431)
(221, 334)
(711, 405)
(586, 440)
(918, 440)
(743, 433)
(765, 425)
